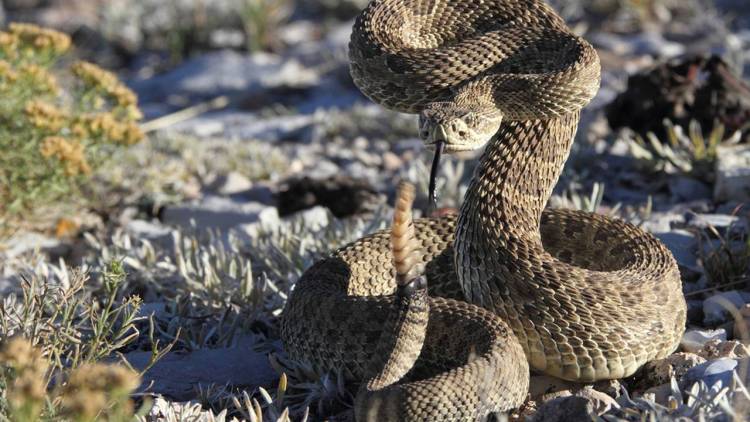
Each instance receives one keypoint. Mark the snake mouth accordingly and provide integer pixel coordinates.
(448, 147)
(439, 147)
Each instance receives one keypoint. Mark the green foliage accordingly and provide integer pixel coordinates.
(53, 138)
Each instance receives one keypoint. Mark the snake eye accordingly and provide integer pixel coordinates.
(462, 133)
(424, 134)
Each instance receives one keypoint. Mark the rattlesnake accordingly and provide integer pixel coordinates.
(575, 295)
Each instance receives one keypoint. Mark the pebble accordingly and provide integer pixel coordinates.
(732, 349)
(732, 173)
(693, 341)
(564, 409)
(715, 307)
(676, 365)
(713, 372)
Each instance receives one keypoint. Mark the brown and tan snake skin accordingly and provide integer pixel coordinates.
(574, 295)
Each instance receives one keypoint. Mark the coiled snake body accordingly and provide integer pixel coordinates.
(578, 296)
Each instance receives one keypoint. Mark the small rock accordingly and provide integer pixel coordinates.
(682, 244)
(24, 242)
(602, 402)
(676, 365)
(694, 340)
(721, 222)
(564, 409)
(142, 229)
(712, 372)
(314, 218)
(732, 349)
(662, 222)
(391, 161)
(688, 189)
(716, 308)
(228, 184)
(732, 173)
(216, 212)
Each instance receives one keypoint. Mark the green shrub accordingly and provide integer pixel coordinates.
(53, 138)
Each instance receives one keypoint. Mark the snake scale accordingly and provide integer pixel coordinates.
(441, 318)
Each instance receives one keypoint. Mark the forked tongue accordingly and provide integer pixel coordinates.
(433, 173)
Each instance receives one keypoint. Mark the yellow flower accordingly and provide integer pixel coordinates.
(109, 378)
(7, 72)
(45, 116)
(70, 153)
(8, 44)
(19, 354)
(107, 83)
(91, 388)
(28, 389)
(40, 38)
(107, 126)
(40, 78)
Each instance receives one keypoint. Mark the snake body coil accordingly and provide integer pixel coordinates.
(574, 295)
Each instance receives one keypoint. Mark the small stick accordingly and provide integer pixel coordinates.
(185, 114)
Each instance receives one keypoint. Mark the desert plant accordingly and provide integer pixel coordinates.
(260, 19)
(53, 138)
(92, 391)
(724, 257)
(693, 153)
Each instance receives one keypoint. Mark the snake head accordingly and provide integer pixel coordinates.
(458, 128)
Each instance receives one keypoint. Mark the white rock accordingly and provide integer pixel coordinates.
(147, 230)
(314, 218)
(732, 173)
(694, 340)
(716, 308)
(230, 183)
(244, 125)
(216, 212)
(23, 242)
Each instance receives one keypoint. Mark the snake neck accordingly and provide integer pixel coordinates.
(502, 209)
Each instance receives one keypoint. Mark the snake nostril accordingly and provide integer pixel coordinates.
(454, 128)
(462, 133)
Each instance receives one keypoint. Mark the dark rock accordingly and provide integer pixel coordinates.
(343, 195)
(682, 244)
(661, 371)
(564, 409)
(700, 88)
(688, 189)
(179, 374)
